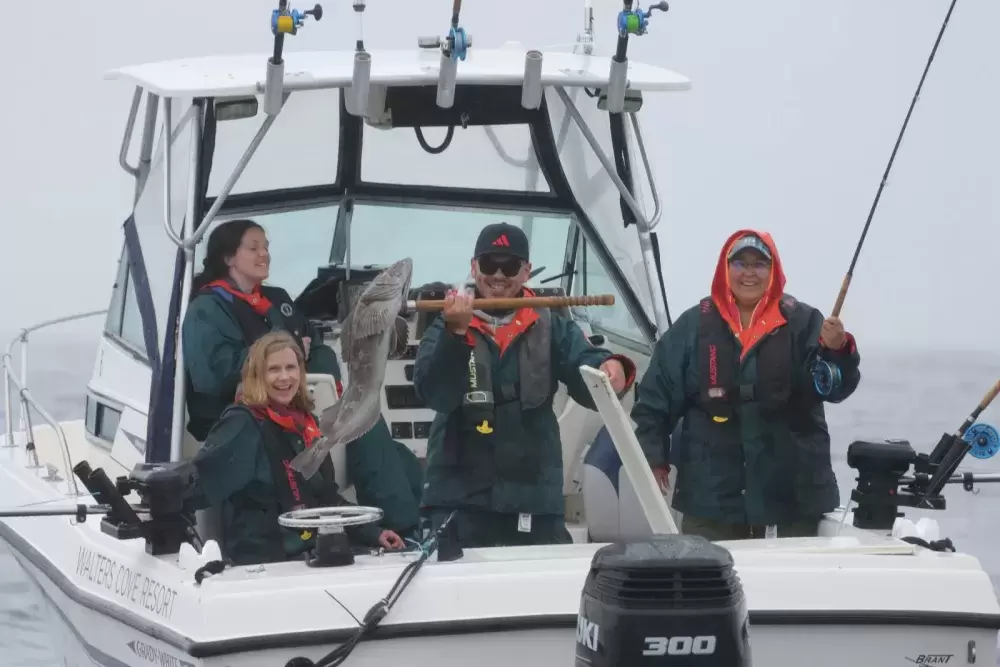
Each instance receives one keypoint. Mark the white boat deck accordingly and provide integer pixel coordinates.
(233, 75)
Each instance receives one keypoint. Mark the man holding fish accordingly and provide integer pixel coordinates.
(494, 452)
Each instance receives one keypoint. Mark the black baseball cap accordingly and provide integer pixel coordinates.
(502, 239)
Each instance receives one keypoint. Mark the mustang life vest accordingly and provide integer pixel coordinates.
(719, 357)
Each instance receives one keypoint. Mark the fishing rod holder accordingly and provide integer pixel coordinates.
(283, 22)
(630, 21)
(531, 85)
(454, 47)
(361, 76)
(884, 484)
(167, 492)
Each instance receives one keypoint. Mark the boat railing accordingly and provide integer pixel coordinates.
(27, 401)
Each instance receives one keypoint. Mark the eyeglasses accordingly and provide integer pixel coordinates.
(510, 266)
(757, 266)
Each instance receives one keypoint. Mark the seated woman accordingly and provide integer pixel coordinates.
(243, 466)
(229, 310)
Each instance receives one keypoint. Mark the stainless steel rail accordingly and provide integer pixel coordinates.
(28, 401)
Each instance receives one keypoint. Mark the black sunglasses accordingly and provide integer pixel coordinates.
(510, 266)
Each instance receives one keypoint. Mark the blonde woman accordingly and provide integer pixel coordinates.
(243, 465)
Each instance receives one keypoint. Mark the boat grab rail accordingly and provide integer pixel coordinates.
(28, 401)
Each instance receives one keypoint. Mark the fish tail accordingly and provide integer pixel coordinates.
(308, 462)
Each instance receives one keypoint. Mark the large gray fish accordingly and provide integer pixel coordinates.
(369, 334)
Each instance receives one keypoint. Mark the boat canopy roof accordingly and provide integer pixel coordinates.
(235, 75)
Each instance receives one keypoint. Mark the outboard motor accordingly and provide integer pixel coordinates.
(670, 600)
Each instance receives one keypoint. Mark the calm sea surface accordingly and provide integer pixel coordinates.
(916, 396)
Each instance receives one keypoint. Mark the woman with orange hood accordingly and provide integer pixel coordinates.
(753, 449)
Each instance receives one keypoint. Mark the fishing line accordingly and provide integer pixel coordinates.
(827, 376)
(892, 157)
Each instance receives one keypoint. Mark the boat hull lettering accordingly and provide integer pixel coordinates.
(156, 656)
(126, 583)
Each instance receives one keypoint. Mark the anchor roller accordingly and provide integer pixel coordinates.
(983, 439)
(826, 377)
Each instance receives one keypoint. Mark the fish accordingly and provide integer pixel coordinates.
(370, 334)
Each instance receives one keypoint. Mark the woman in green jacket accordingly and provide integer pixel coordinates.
(230, 309)
(243, 466)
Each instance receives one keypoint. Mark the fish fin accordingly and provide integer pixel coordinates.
(308, 462)
(399, 338)
(345, 335)
(351, 430)
(381, 292)
(329, 417)
(373, 321)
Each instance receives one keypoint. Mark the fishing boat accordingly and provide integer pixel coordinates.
(333, 153)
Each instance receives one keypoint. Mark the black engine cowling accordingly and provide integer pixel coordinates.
(670, 600)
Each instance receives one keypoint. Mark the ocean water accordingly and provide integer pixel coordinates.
(915, 395)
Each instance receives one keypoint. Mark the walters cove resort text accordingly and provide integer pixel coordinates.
(125, 582)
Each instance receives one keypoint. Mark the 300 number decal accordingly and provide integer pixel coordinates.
(704, 645)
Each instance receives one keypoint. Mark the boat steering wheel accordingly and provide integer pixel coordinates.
(330, 519)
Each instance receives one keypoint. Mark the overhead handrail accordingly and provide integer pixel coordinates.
(29, 401)
(192, 239)
(133, 113)
(648, 224)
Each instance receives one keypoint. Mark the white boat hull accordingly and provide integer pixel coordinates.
(858, 599)
(86, 637)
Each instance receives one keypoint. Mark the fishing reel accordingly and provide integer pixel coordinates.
(826, 377)
(288, 22)
(458, 43)
(984, 441)
(635, 21)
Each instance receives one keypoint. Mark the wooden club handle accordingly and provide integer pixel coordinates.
(426, 305)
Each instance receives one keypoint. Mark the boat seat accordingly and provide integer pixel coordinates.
(610, 503)
(323, 389)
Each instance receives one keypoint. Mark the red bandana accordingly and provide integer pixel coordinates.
(293, 421)
(255, 299)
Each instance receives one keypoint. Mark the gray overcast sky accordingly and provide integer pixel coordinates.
(793, 112)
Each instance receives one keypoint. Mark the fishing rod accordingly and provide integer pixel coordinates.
(826, 376)
(80, 511)
(381, 609)
(981, 439)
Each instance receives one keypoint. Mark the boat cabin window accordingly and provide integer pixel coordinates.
(299, 150)
(505, 159)
(300, 241)
(591, 277)
(101, 420)
(123, 322)
(441, 241)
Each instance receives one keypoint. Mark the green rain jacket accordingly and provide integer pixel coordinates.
(753, 446)
(218, 330)
(242, 469)
(504, 456)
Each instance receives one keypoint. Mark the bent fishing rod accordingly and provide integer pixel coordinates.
(826, 376)
(885, 175)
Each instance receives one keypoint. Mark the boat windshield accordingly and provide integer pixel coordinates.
(440, 242)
